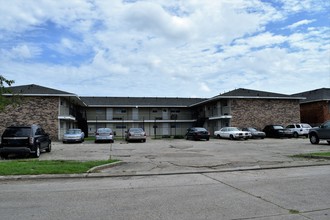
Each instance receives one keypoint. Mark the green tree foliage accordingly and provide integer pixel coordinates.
(4, 90)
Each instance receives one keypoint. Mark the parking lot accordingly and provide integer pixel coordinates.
(179, 155)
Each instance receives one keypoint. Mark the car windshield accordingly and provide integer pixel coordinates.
(233, 129)
(252, 129)
(278, 127)
(73, 132)
(135, 130)
(306, 126)
(17, 132)
(104, 130)
(200, 129)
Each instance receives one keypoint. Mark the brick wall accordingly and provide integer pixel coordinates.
(32, 110)
(315, 113)
(258, 113)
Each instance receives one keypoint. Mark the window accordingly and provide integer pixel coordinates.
(120, 126)
(117, 118)
(224, 102)
(39, 131)
(174, 116)
(120, 111)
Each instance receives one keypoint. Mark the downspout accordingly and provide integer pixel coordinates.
(59, 120)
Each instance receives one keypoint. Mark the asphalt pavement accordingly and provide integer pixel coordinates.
(175, 156)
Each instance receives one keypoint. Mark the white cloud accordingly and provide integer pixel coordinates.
(164, 48)
(300, 23)
(203, 87)
(296, 6)
(22, 51)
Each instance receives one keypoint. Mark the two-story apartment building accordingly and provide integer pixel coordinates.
(55, 110)
(315, 109)
(58, 111)
(157, 116)
(248, 108)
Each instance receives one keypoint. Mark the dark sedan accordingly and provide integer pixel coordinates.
(197, 134)
(277, 131)
(255, 133)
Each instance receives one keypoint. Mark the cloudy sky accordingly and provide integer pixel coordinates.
(166, 48)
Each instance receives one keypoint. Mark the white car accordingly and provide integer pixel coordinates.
(73, 135)
(299, 129)
(232, 133)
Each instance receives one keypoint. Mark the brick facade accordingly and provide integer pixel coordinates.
(260, 112)
(315, 113)
(33, 110)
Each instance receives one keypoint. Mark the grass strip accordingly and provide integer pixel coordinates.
(314, 155)
(37, 167)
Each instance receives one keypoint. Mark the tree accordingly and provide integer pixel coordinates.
(3, 90)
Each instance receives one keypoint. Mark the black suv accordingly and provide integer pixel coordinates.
(320, 133)
(24, 140)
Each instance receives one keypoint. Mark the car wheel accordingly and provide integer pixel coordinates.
(49, 148)
(231, 137)
(36, 154)
(218, 136)
(295, 135)
(207, 139)
(313, 138)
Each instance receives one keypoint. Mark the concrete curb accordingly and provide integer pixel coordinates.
(104, 166)
(107, 175)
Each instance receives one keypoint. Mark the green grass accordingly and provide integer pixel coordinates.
(292, 211)
(314, 155)
(36, 167)
(322, 154)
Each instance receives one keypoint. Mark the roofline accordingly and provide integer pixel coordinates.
(22, 94)
(316, 100)
(48, 95)
(248, 97)
(142, 106)
(260, 97)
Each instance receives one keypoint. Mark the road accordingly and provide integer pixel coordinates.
(291, 193)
